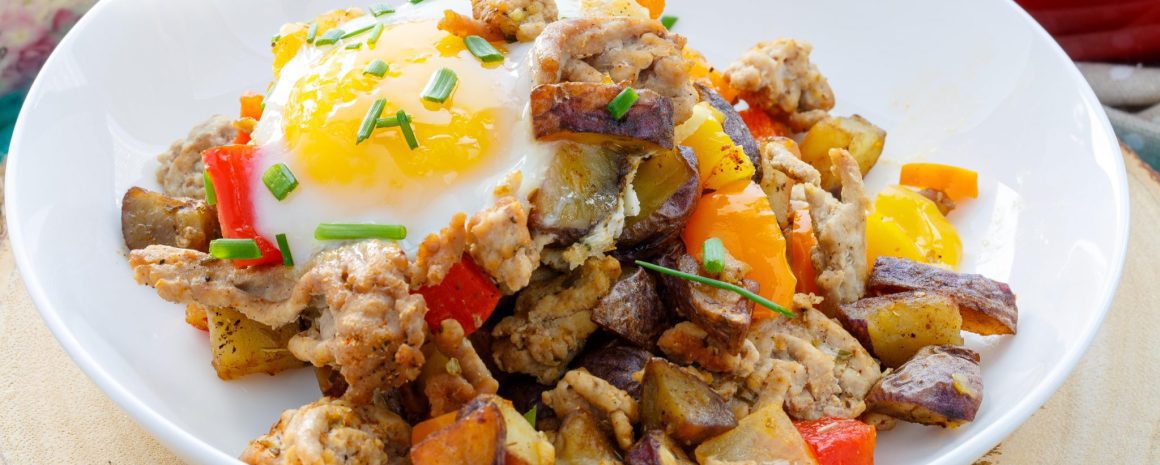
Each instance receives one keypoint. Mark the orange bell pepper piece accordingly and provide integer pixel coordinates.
(739, 214)
(655, 7)
(802, 241)
(424, 428)
(251, 108)
(839, 441)
(957, 183)
(761, 125)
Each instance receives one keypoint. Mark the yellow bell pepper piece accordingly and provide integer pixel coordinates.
(907, 225)
(720, 161)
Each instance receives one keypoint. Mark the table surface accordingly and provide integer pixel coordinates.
(1106, 412)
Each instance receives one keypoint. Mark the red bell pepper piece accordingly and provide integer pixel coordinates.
(466, 294)
(251, 108)
(229, 167)
(839, 441)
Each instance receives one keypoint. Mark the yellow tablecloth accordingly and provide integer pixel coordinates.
(1108, 412)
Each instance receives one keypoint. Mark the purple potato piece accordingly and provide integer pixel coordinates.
(578, 111)
(633, 309)
(941, 385)
(667, 186)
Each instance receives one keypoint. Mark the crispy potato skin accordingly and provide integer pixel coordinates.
(941, 385)
(654, 234)
(617, 363)
(579, 110)
(242, 346)
(734, 126)
(581, 189)
(894, 327)
(151, 218)
(633, 309)
(724, 315)
(681, 405)
(987, 306)
(580, 441)
(655, 448)
(476, 438)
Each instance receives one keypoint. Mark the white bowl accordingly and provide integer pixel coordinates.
(975, 84)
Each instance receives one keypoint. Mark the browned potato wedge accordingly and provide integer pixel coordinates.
(580, 441)
(633, 309)
(476, 438)
(581, 188)
(681, 405)
(655, 448)
(861, 138)
(734, 126)
(579, 111)
(616, 363)
(725, 315)
(894, 327)
(524, 445)
(242, 346)
(941, 385)
(988, 306)
(667, 185)
(196, 316)
(150, 218)
(765, 436)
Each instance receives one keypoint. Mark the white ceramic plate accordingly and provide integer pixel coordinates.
(975, 84)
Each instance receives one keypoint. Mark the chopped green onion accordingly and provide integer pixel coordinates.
(279, 180)
(391, 121)
(482, 49)
(408, 132)
(312, 33)
(210, 193)
(668, 21)
(368, 122)
(234, 249)
(743, 292)
(375, 33)
(381, 9)
(329, 37)
(530, 415)
(713, 255)
(415, 2)
(343, 232)
(358, 26)
(354, 46)
(440, 86)
(275, 39)
(377, 67)
(284, 247)
(624, 101)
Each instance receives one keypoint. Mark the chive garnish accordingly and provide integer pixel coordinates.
(623, 101)
(343, 232)
(713, 255)
(284, 247)
(274, 40)
(312, 33)
(415, 2)
(354, 46)
(482, 49)
(279, 180)
(375, 33)
(381, 9)
(368, 122)
(668, 21)
(234, 249)
(743, 292)
(210, 192)
(377, 67)
(404, 122)
(530, 415)
(358, 26)
(391, 121)
(329, 37)
(440, 86)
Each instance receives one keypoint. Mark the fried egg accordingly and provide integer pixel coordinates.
(467, 146)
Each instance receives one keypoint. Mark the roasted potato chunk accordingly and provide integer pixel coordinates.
(987, 306)
(894, 327)
(681, 405)
(242, 346)
(633, 309)
(725, 315)
(765, 436)
(617, 363)
(151, 218)
(523, 445)
(580, 441)
(581, 188)
(861, 138)
(477, 437)
(941, 385)
(579, 111)
(655, 448)
(734, 126)
(666, 185)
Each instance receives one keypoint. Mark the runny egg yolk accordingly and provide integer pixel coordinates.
(328, 103)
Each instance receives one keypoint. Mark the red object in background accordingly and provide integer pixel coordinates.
(466, 294)
(839, 441)
(1101, 30)
(229, 168)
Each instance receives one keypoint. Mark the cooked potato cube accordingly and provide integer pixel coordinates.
(618, 364)
(987, 306)
(896, 326)
(579, 111)
(941, 385)
(667, 186)
(580, 441)
(476, 438)
(855, 134)
(580, 190)
(655, 448)
(633, 309)
(681, 405)
(524, 445)
(765, 436)
(725, 315)
(242, 346)
(151, 218)
(196, 316)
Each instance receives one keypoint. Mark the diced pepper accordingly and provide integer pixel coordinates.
(230, 167)
(466, 295)
(720, 161)
(802, 241)
(907, 225)
(761, 125)
(701, 71)
(839, 441)
(464, 26)
(957, 183)
(655, 7)
(424, 428)
(739, 214)
(252, 110)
